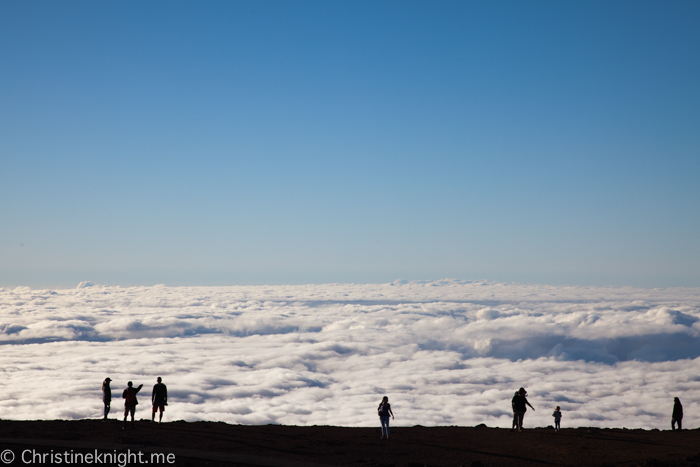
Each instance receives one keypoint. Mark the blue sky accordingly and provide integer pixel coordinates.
(224, 143)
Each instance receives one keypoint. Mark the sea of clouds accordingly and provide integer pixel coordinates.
(445, 352)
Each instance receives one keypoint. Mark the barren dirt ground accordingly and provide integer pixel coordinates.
(218, 444)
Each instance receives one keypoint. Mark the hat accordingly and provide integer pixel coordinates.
(522, 390)
(108, 379)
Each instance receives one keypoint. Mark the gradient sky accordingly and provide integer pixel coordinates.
(278, 142)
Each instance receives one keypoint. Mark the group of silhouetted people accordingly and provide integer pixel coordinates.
(519, 404)
(159, 399)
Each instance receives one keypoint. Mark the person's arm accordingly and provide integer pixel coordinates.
(139, 388)
(529, 404)
(153, 394)
(165, 394)
(392, 413)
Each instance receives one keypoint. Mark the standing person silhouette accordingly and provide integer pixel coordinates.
(677, 416)
(519, 404)
(130, 402)
(159, 398)
(384, 411)
(106, 397)
(515, 423)
(557, 418)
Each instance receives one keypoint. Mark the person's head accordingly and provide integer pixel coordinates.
(107, 381)
(556, 408)
(675, 399)
(385, 399)
(522, 392)
(129, 384)
(159, 379)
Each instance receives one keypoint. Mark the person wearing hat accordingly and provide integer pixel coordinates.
(519, 404)
(677, 415)
(106, 396)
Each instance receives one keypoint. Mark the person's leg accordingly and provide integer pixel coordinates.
(106, 411)
(520, 416)
(680, 423)
(673, 424)
(153, 413)
(126, 414)
(133, 412)
(515, 422)
(385, 426)
(160, 417)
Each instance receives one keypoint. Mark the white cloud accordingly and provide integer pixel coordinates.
(447, 352)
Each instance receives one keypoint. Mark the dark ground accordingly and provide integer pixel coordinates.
(219, 444)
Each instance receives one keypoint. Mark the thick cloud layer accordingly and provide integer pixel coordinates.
(447, 352)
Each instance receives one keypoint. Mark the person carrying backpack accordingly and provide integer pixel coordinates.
(677, 416)
(384, 410)
(130, 402)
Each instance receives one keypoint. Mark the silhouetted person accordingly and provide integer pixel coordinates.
(677, 416)
(106, 396)
(515, 423)
(130, 402)
(557, 418)
(519, 404)
(159, 398)
(384, 411)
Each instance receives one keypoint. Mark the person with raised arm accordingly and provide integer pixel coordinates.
(130, 402)
(519, 404)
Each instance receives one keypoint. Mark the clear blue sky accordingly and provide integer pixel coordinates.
(256, 142)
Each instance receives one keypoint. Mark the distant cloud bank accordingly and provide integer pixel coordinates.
(445, 352)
